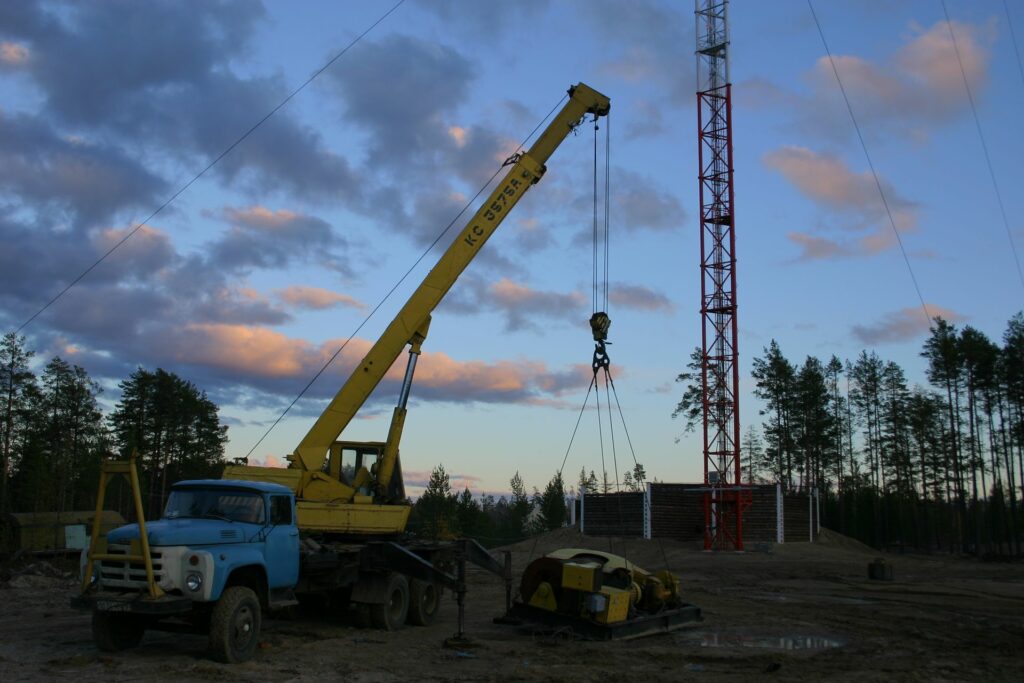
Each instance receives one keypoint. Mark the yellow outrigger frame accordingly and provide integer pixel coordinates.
(139, 552)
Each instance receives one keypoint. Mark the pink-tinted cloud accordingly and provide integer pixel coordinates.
(316, 298)
(916, 88)
(13, 54)
(418, 479)
(851, 200)
(268, 461)
(523, 304)
(902, 325)
(638, 297)
(263, 357)
(813, 248)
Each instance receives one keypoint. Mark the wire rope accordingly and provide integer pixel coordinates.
(984, 145)
(210, 165)
(871, 165)
(402, 279)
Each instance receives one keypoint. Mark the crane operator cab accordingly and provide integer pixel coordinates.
(355, 464)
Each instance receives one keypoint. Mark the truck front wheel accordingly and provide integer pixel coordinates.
(235, 625)
(114, 632)
(391, 615)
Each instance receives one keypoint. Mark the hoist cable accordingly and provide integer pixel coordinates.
(400, 281)
(210, 165)
(607, 205)
(578, 419)
(595, 237)
(623, 419)
(600, 435)
(611, 428)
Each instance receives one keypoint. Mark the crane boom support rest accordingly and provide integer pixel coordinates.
(330, 499)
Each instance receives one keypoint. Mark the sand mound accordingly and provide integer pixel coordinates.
(834, 539)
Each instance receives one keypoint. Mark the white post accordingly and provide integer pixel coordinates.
(780, 525)
(572, 510)
(817, 510)
(583, 497)
(647, 512)
(810, 515)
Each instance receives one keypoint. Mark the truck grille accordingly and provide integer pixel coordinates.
(128, 574)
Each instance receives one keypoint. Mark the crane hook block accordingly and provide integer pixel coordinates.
(599, 324)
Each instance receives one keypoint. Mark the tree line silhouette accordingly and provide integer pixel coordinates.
(896, 465)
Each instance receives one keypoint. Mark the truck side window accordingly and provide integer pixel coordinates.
(280, 510)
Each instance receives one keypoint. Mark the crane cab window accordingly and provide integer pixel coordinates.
(351, 461)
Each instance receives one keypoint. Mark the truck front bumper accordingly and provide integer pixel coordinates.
(132, 603)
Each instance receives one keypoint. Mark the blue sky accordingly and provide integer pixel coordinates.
(256, 274)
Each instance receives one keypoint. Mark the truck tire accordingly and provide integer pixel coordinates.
(235, 625)
(391, 615)
(114, 632)
(424, 602)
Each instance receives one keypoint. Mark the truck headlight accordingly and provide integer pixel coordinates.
(194, 581)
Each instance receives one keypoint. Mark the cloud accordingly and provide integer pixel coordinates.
(160, 79)
(271, 362)
(420, 478)
(315, 298)
(12, 54)
(522, 304)
(65, 180)
(850, 197)
(908, 92)
(638, 297)
(438, 75)
(902, 325)
(531, 236)
(266, 238)
(641, 37)
(646, 121)
(640, 202)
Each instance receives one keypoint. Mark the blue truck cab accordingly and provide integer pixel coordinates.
(223, 552)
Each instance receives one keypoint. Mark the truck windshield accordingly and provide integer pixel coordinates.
(227, 504)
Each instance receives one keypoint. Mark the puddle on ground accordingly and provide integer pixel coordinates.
(765, 642)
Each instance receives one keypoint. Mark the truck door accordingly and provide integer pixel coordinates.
(282, 544)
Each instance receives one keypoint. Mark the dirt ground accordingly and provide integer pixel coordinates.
(796, 612)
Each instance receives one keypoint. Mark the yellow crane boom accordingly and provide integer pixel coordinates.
(329, 498)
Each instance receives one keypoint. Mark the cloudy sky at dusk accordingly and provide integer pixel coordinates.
(255, 275)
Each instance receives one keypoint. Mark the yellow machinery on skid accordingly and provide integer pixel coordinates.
(601, 596)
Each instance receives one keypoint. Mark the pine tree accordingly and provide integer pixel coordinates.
(775, 377)
(551, 504)
(173, 425)
(18, 384)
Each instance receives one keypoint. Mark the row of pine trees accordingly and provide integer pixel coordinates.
(936, 466)
(54, 433)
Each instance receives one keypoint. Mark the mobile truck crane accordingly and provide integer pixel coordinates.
(332, 521)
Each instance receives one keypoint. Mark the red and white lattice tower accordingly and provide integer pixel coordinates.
(724, 497)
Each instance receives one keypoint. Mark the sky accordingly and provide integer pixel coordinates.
(251, 278)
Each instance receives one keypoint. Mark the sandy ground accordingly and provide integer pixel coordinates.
(798, 612)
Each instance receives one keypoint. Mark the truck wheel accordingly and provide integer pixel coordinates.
(424, 602)
(391, 615)
(114, 632)
(235, 625)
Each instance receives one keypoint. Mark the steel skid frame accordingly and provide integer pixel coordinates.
(724, 499)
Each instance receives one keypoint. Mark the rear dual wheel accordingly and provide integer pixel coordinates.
(391, 615)
(424, 602)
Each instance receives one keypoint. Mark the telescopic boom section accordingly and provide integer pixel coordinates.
(410, 325)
